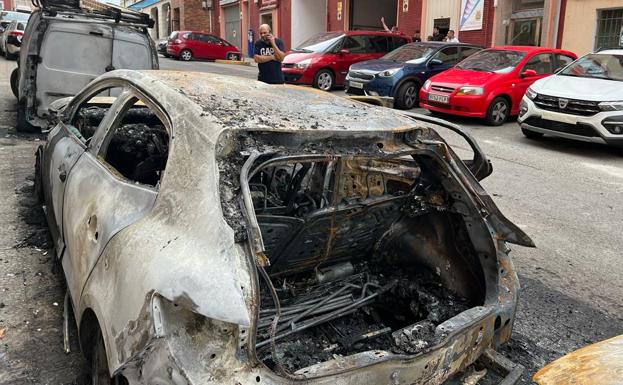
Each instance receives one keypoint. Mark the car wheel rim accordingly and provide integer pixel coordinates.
(410, 97)
(499, 112)
(232, 56)
(186, 55)
(324, 81)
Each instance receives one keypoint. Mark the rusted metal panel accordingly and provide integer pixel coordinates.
(599, 364)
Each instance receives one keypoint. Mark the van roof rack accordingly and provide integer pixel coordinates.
(96, 10)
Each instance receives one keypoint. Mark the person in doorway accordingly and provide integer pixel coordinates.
(416, 36)
(392, 30)
(436, 35)
(451, 38)
(268, 53)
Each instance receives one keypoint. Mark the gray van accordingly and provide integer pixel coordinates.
(64, 48)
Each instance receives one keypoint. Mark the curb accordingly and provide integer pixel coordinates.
(234, 62)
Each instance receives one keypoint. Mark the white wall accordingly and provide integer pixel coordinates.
(308, 18)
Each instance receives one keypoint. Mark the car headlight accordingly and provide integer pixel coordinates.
(388, 73)
(427, 85)
(469, 91)
(531, 94)
(302, 64)
(611, 106)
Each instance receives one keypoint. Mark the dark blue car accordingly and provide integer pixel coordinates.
(400, 74)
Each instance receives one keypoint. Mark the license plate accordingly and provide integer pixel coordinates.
(356, 85)
(564, 118)
(438, 98)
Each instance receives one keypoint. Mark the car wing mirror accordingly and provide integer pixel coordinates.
(435, 62)
(528, 74)
(344, 51)
(479, 165)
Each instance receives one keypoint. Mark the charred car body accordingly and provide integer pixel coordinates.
(204, 244)
(65, 46)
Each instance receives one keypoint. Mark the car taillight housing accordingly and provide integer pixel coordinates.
(16, 33)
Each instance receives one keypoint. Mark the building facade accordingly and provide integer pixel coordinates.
(592, 24)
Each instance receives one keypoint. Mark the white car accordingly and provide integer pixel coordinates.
(584, 101)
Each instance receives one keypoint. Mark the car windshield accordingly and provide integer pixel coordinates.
(20, 16)
(600, 66)
(319, 43)
(492, 60)
(410, 53)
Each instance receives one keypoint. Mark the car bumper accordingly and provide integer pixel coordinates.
(375, 87)
(298, 76)
(469, 106)
(173, 50)
(584, 128)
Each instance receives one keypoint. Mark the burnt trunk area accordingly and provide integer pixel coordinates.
(365, 255)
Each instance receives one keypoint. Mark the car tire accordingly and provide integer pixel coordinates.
(100, 374)
(15, 82)
(22, 124)
(498, 111)
(166, 55)
(324, 80)
(186, 55)
(531, 134)
(407, 96)
(232, 56)
(38, 190)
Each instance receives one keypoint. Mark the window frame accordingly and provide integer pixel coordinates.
(458, 53)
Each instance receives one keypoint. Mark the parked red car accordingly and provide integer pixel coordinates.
(323, 60)
(490, 83)
(188, 45)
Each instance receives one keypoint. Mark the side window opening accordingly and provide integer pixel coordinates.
(449, 56)
(137, 145)
(92, 111)
(541, 63)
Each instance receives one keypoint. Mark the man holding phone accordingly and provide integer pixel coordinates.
(268, 54)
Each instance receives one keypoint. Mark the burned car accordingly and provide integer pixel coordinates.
(65, 46)
(210, 237)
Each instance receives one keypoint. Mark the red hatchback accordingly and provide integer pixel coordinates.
(323, 60)
(491, 83)
(188, 45)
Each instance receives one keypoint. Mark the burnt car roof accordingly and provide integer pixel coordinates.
(243, 104)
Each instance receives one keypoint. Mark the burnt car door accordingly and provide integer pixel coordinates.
(114, 183)
(61, 151)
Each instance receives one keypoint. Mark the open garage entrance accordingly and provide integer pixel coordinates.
(311, 18)
(366, 14)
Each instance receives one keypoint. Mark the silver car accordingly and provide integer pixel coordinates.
(216, 230)
(11, 39)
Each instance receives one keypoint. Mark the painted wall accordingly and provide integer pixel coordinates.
(436, 9)
(581, 23)
(308, 18)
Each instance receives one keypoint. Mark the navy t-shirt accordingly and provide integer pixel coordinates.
(269, 72)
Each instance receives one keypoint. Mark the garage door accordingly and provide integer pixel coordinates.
(366, 14)
(232, 24)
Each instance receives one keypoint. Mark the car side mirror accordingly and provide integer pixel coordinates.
(344, 51)
(528, 74)
(435, 62)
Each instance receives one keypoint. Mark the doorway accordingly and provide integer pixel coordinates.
(231, 15)
(366, 14)
(443, 25)
(525, 32)
(310, 16)
(267, 18)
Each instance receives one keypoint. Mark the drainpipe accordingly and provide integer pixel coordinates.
(557, 24)
(210, 17)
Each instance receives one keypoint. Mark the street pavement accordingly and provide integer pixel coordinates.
(566, 195)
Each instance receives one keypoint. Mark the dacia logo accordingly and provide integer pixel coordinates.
(562, 103)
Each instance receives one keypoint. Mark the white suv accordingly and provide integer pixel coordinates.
(584, 101)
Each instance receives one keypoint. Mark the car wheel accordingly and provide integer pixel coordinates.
(324, 80)
(407, 96)
(22, 123)
(166, 55)
(15, 82)
(99, 363)
(186, 55)
(38, 175)
(498, 112)
(531, 134)
(232, 56)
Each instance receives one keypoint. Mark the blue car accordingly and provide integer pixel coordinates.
(399, 75)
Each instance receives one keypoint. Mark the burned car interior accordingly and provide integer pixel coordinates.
(360, 257)
(138, 149)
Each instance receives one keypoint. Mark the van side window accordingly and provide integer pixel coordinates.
(355, 44)
(380, 44)
(92, 111)
(397, 42)
(137, 145)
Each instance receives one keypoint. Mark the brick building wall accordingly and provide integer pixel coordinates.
(482, 36)
(333, 23)
(411, 21)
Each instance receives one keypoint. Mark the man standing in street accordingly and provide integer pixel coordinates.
(436, 35)
(268, 53)
(451, 38)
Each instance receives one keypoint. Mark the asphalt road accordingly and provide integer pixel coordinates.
(566, 195)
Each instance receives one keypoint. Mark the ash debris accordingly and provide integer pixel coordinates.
(31, 212)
